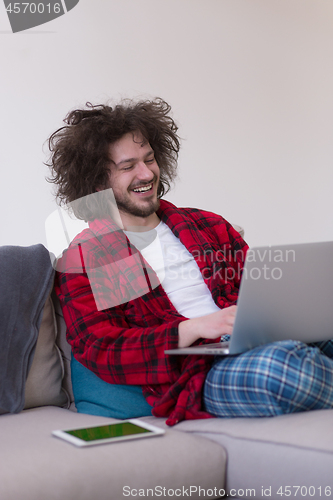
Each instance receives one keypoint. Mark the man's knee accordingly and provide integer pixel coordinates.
(297, 375)
(284, 362)
(282, 377)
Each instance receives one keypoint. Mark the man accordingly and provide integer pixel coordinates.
(123, 309)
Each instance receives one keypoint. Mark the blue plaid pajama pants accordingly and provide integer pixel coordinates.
(282, 377)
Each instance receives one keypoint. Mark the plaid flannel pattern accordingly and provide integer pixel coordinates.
(125, 343)
(282, 377)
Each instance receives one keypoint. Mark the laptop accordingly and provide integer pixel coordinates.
(286, 292)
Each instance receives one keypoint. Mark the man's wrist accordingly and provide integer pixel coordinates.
(188, 332)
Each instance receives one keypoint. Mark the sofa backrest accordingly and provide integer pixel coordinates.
(49, 378)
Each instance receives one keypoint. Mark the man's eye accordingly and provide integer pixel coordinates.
(127, 168)
(151, 160)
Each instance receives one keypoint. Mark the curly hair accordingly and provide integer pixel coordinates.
(79, 161)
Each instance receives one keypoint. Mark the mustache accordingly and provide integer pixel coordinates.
(143, 183)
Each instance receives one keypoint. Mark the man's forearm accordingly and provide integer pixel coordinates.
(188, 332)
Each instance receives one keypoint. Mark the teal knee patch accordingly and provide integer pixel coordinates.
(94, 396)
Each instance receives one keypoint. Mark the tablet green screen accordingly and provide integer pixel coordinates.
(108, 431)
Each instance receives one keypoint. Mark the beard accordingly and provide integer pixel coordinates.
(128, 207)
(143, 208)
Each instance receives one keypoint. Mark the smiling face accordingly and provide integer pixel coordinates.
(134, 179)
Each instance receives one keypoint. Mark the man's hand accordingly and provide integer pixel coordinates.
(211, 326)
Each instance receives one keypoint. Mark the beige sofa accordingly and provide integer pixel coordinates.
(291, 455)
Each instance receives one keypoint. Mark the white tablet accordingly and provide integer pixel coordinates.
(109, 433)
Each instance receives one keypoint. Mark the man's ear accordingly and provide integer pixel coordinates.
(101, 188)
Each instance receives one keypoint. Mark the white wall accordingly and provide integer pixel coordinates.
(250, 82)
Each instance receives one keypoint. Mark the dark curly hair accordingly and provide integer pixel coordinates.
(79, 159)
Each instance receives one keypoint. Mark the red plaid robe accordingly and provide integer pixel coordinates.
(120, 320)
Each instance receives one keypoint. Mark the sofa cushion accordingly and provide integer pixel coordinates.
(44, 383)
(64, 348)
(26, 278)
(37, 466)
(268, 455)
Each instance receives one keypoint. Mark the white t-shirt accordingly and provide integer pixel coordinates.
(176, 269)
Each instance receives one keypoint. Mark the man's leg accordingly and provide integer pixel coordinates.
(282, 377)
(326, 347)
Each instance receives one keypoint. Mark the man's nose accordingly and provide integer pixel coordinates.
(144, 171)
